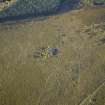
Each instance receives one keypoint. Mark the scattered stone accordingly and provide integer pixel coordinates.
(53, 51)
(45, 52)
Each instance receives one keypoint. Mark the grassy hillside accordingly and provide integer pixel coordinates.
(22, 7)
(75, 76)
(29, 75)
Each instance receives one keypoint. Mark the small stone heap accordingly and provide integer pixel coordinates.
(45, 52)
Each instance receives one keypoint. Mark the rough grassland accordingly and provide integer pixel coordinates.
(78, 72)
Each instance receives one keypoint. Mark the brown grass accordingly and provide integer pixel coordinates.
(67, 79)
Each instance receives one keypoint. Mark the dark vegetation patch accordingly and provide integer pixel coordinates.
(92, 2)
(98, 2)
(24, 9)
(4, 0)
